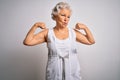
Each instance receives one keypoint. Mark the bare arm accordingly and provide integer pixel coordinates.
(86, 38)
(34, 39)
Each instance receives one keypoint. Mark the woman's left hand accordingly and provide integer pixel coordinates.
(80, 26)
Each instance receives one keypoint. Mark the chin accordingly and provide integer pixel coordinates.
(64, 26)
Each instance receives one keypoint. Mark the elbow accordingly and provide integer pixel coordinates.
(89, 43)
(92, 42)
(26, 43)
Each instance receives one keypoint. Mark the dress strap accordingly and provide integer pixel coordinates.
(73, 41)
(72, 34)
(50, 35)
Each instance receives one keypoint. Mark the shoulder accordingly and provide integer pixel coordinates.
(45, 32)
(72, 32)
(76, 33)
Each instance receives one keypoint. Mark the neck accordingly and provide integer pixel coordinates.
(61, 28)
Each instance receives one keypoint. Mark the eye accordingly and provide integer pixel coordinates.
(68, 16)
(62, 14)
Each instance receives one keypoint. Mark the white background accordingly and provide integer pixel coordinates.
(100, 61)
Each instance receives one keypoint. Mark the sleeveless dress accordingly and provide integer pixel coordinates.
(62, 61)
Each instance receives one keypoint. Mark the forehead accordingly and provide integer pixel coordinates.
(65, 11)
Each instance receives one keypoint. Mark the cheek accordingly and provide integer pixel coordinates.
(60, 19)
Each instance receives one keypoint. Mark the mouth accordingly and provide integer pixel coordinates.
(65, 23)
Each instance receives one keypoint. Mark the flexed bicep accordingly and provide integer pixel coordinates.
(33, 39)
(40, 37)
(86, 38)
(81, 38)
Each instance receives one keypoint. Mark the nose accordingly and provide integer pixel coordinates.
(66, 19)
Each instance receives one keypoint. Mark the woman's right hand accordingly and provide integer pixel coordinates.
(40, 25)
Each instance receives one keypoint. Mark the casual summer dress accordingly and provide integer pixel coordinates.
(62, 62)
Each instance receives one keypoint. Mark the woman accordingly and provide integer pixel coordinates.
(61, 41)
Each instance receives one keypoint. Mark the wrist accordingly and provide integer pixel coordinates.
(35, 26)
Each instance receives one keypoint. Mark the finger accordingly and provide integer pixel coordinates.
(43, 27)
(77, 26)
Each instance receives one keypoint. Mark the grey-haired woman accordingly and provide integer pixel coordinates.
(61, 41)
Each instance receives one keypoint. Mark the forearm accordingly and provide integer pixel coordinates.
(89, 35)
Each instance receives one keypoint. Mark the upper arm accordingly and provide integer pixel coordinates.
(39, 38)
(81, 38)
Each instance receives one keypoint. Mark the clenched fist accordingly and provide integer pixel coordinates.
(40, 24)
(80, 26)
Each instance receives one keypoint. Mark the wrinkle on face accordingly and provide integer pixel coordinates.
(63, 17)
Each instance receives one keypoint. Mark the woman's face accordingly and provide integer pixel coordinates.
(63, 17)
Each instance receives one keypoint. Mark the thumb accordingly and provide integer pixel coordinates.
(43, 27)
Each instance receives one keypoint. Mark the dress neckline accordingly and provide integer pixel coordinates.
(61, 39)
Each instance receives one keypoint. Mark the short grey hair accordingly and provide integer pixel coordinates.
(58, 7)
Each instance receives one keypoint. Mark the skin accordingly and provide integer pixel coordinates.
(60, 31)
